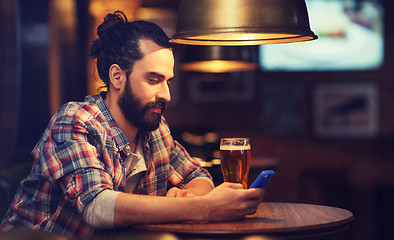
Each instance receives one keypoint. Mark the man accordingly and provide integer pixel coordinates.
(110, 161)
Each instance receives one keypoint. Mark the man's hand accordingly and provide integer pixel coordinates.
(196, 187)
(178, 193)
(230, 201)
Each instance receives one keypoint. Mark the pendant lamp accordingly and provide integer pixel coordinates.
(220, 59)
(242, 22)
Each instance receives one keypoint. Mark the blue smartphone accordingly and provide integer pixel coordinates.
(263, 179)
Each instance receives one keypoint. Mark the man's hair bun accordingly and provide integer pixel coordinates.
(111, 21)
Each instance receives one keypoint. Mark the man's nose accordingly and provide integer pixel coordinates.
(164, 92)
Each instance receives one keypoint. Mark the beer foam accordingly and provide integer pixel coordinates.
(234, 147)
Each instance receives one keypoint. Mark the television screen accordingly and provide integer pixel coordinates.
(350, 38)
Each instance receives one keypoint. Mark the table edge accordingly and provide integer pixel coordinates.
(334, 225)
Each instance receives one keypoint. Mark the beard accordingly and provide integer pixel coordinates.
(137, 113)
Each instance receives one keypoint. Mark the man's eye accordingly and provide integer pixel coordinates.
(153, 80)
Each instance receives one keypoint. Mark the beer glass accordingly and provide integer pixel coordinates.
(235, 158)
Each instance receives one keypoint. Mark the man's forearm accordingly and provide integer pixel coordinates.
(131, 209)
(228, 201)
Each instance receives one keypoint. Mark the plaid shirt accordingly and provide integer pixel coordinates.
(80, 154)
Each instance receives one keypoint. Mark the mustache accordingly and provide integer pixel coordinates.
(157, 104)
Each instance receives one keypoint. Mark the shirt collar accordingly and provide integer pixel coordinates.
(119, 137)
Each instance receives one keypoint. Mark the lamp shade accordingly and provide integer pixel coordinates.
(242, 22)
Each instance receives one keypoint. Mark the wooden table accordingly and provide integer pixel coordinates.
(273, 220)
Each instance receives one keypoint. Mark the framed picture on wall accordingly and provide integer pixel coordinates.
(345, 110)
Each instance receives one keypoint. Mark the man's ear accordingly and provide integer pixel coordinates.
(116, 76)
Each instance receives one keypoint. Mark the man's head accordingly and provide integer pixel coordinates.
(146, 90)
(136, 63)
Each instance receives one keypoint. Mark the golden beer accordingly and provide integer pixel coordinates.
(235, 158)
